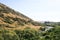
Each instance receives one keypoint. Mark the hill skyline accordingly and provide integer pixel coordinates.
(40, 10)
(12, 19)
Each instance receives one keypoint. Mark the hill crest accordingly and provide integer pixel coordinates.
(10, 18)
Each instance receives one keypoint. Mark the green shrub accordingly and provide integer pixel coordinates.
(28, 34)
(8, 20)
(52, 34)
(8, 35)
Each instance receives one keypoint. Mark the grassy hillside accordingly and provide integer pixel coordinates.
(10, 18)
(16, 26)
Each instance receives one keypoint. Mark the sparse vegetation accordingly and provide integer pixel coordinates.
(1, 15)
(15, 20)
(8, 20)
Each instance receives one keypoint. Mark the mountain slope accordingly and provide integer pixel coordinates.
(10, 18)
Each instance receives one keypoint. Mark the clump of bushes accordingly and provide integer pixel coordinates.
(52, 34)
(8, 35)
(8, 20)
(30, 34)
(20, 21)
(26, 34)
(1, 15)
(35, 23)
